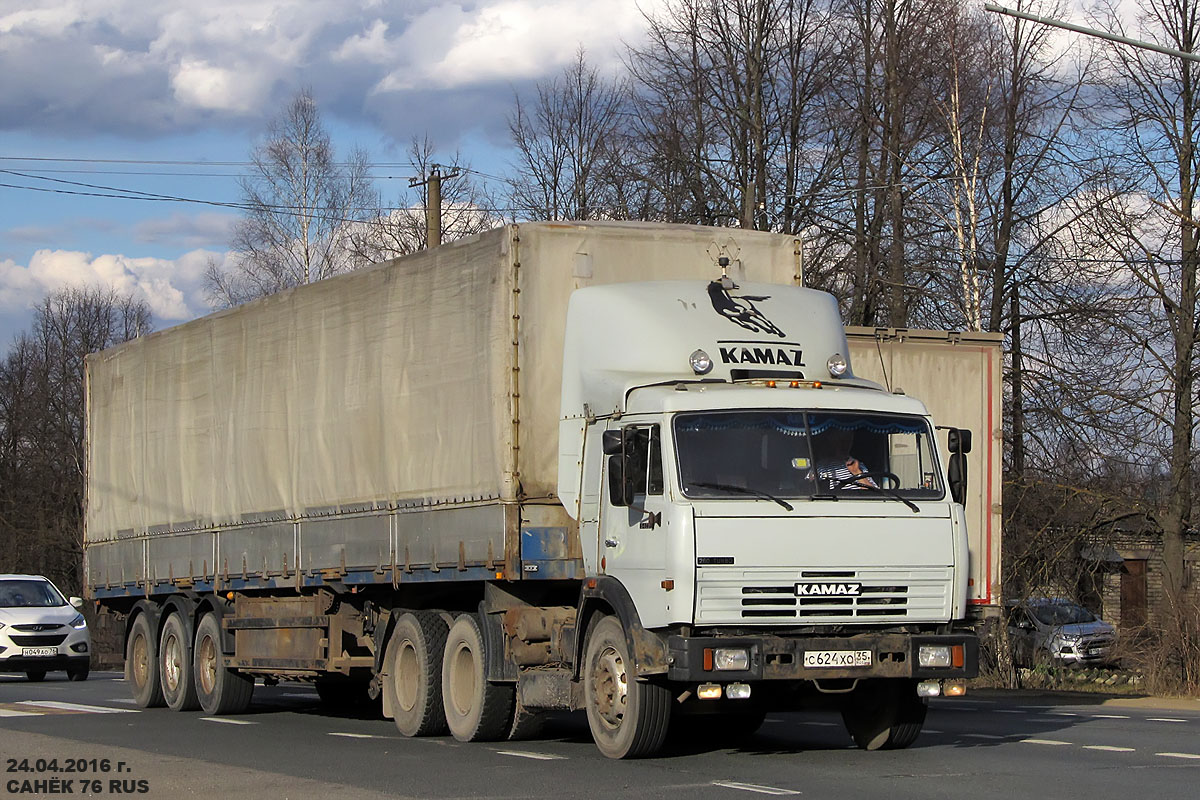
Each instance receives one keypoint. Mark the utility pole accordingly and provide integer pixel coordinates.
(433, 203)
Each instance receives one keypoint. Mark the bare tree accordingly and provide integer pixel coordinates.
(299, 202)
(567, 144)
(42, 427)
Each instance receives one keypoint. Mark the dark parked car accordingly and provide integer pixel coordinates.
(1059, 632)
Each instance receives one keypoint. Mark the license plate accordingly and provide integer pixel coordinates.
(39, 651)
(1093, 651)
(837, 658)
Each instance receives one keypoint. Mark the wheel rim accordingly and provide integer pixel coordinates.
(141, 660)
(610, 687)
(462, 679)
(406, 678)
(207, 662)
(171, 661)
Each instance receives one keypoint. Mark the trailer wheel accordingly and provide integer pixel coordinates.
(476, 710)
(629, 718)
(884, 714)
(141, 664)
(220, 689)
(412, 688)
(175, 666)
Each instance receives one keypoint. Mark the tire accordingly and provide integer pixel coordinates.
(219, 689)
(412, 684)
(629, 718)
(476, 710)
(80, 674)
(175, 667)
(35, 675)
(141, 664)
(884, 714)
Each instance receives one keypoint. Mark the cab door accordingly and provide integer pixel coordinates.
(634, 527)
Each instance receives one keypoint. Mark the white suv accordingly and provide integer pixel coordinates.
(40, 630)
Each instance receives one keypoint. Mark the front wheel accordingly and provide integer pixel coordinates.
(884, 714)
(35, 675)
(220, 689)
(629, 718)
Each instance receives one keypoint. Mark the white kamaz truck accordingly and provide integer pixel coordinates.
(627, 468)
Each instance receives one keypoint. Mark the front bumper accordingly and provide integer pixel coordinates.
(71, 646)
(778, 658)
(44, 663)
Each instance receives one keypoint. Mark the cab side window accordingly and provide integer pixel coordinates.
(644, 451)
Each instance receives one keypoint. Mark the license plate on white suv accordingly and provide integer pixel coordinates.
(39, 651)
(837, 658)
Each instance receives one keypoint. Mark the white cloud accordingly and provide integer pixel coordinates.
(173, 288)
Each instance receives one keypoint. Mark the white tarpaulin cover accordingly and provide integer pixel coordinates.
(393, 384)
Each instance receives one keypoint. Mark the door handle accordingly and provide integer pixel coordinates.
(611, 542)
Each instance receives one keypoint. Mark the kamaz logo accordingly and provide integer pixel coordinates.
(788, 357)
(828, 589)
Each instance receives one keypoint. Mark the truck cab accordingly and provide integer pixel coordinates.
(779, 525)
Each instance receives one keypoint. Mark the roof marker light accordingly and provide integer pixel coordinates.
(837, 365)
(701, 363)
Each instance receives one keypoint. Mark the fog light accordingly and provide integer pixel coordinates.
(737, 691)
(731, 659)
(709, 691)
(933, 655)
(80, 647)
(929, 688)
(954, 688)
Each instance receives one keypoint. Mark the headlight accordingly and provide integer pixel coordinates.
(731, 659)
(837, 365)
(934, 655)
(78, 623)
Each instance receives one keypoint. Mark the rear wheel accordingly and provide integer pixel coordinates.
(141, 664)
(884, 714)
(35, 675)
(220, 689)
(476, 710)
(412, 687)
(628, 717)
(175, 666)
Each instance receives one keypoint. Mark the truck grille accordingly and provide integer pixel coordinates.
(53, 640)
(728, 596)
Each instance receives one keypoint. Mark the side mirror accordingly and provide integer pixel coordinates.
(956, 472)
(959, 440)
(620, 488)
(76, 601)
(611, 443)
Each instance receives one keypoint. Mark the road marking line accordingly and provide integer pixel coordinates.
(1164, 719)
(12, 712)
(306, 695)
(1110, 716)
(1054, 742)
(982, 736)
(1108, 748)
(128, 700)
(228, 721)
(1011, 711)
(751, 787)
(931, 730)
(55, 704)
(822, 724)
(1062, 714)
(357, 735)
(535, 756)
(1179, 755)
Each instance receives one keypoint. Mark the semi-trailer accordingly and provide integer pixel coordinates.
(623, 467)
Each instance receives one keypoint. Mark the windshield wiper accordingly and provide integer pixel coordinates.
(729, 487)
(892, 493)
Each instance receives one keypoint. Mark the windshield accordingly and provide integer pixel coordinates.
(805, 454)
(1062, 614)
(29, 593)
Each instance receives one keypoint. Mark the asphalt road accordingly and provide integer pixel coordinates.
(983, 746)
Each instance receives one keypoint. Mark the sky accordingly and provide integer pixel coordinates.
(168, 97)
(96, 91)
